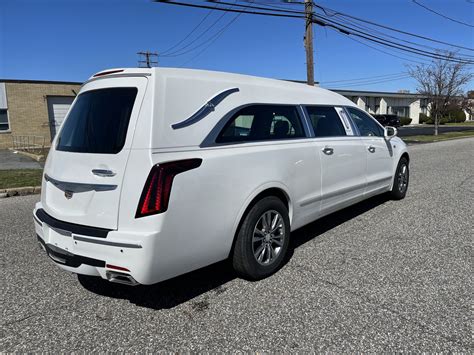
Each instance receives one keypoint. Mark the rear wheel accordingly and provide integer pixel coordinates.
(400, 183)
(262, 240)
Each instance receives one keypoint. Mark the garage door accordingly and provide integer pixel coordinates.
(58, 107)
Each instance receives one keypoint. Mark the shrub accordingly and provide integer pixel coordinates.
(423, 118)
(456, 116)
(404, 121)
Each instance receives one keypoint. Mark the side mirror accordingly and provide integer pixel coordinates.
(390, 132)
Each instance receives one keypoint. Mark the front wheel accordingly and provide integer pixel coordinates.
(400, 182)
(262, 240)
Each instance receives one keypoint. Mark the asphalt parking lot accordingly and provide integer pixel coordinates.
(381, 276)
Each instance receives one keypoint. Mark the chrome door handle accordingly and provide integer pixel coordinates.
(103, 172)
(371, 149)
(328, 150)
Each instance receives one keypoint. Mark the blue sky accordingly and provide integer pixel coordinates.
(70, 40)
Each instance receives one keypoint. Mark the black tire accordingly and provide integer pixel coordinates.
(401, 179)
(244, 261)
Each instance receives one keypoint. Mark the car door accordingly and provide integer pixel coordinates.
(378, 151)
(342, 155)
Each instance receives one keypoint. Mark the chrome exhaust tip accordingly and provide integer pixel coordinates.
(121, 278)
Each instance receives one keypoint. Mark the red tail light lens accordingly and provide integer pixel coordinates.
(157, 189)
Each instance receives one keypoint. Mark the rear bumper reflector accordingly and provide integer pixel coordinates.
(71, 227)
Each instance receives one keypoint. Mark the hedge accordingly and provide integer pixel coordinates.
(404, 121)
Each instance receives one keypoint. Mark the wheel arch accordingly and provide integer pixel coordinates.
(272, 189)
(407, 157)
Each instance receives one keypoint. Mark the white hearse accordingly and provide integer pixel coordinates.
(158, 172)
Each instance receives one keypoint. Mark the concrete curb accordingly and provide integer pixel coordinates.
(20, 191)
(37, 157)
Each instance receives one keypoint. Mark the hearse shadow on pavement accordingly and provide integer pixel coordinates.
(181, 289)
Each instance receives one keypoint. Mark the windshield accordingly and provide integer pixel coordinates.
(98, 121)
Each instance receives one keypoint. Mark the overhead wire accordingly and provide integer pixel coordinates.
(189, 33)
(442, 15)
(386, 27)
(349, 30)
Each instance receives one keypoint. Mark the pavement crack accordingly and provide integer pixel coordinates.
(49, 310)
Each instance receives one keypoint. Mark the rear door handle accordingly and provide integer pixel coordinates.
(371, 149)
(328, 150)
(103, 172)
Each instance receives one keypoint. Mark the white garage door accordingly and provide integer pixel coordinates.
(58, 107)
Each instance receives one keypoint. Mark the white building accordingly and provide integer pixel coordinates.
(403, 104)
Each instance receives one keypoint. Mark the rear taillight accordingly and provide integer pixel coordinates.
(157, 189)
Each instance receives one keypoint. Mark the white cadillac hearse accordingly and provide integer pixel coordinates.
(157, 172)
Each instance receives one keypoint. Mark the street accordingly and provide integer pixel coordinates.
(380, 276)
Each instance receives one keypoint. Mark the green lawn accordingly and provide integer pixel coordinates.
(20, 178)
(440, 137)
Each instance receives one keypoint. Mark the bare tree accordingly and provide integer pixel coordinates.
(441, 82)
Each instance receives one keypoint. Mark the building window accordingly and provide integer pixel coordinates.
(4, 125)
(400, 111)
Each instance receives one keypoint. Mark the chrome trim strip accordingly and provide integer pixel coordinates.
(310, 201)
(77, 186)
(105, 242)
(103, 172)
(388, 178)
(343, 191)
(36, 219)
(61, 231)
(205, 110)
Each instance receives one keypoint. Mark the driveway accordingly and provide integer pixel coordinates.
(10, 160)
(379, 277)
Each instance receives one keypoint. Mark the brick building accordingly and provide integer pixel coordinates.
(33, 108)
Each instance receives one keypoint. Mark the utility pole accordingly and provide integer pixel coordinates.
(308, 42)
(145, 59)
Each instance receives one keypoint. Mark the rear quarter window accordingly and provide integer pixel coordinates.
(98, 121)
(262, 122)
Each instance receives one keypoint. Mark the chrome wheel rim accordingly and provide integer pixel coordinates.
(403, 178)
(268, 237)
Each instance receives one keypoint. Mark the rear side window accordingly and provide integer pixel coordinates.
(262, 122)
(98, 121)
(366, 125)
(325, 121)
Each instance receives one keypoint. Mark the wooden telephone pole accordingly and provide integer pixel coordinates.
(308, 42)
(145, 59)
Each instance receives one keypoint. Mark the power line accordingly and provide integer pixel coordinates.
(440, 14)
(177, 52)
(385, 52)
(189, 34)
(387, 27)
(324, 21)
(214, 40)
(364, 78)
(374, 82)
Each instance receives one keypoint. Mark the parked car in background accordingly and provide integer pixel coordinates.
(157, 172)
(388, 120)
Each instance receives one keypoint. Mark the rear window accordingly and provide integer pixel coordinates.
(98, 121)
